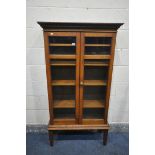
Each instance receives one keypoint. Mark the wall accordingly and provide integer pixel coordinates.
(75, 11)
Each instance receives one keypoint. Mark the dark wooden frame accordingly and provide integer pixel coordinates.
(79, 30)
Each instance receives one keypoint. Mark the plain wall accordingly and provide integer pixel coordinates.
(110, 11)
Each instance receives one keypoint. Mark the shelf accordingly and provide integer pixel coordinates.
(57, 44)
(93, 103)
(64, 121)
(97, 56)
(63, 82)
(92, 121)
(64, 104)
(95, 63)
(98, 45)
(95, 83)
(62, 56)
(73, 63)
(63, 63)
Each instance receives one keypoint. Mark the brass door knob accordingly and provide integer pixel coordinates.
(81, 83)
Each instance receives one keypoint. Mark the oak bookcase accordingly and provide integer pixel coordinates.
(79, 63)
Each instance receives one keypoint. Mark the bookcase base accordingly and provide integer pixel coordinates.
(102, 127)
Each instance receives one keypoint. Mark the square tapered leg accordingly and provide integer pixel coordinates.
(51, 138)
(105, 137)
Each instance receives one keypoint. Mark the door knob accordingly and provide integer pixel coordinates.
(81, 83)
(73, 44)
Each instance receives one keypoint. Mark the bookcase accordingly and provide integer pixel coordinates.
(79, 63)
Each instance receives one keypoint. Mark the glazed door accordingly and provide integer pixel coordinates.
(95, 69)
(62, 66)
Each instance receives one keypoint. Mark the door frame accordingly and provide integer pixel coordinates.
(48, 71)
(109, 79)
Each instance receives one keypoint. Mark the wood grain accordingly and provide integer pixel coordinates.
(95, 83)
(97, 56)
(56, 56)
(64, 103)
(63, 63)
(49, 78)
(54, 44)
(99, 45)
(96, 63)
(109, 77)
(63, 83)
(93, 103)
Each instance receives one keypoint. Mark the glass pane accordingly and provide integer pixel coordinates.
(94, 92)
(96, 113)
(94, 95)
(96, 62)
(63, 93)
(64, 113)
(62, 45)
(62, 49)
(95, 73)
(96, 50)
(97, 45)
(63, 72)
(62, 39)
(97, 40)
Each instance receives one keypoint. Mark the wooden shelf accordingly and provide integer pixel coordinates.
(95, 63)
(64, 121)
(62, 56)
(73, 63)
(93, 103)
(57, 44)
(64, 104)
(95, 83)
(63, 63)
(97, 56)
(63, 82)
(92, 121)
(98, 45)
